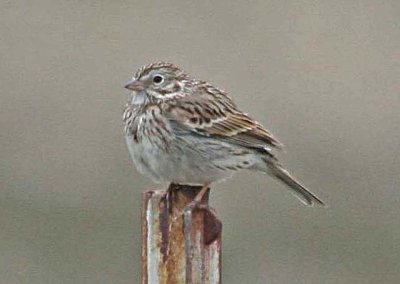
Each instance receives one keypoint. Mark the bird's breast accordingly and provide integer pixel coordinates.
(147, 124)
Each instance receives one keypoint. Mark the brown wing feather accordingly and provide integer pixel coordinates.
(217, 115)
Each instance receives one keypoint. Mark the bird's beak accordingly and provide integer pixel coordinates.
(134, 85)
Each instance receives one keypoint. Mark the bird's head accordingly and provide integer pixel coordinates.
(158, 82)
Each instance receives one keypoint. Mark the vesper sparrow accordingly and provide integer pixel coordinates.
(186, 131)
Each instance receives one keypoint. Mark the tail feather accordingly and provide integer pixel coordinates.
(302, 193)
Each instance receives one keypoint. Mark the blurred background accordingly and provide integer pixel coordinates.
(323, 76)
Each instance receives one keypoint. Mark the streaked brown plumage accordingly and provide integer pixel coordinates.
(183, 130)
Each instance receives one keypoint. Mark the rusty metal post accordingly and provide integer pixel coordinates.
(181, 243)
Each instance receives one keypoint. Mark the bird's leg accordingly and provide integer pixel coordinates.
(199, 196)
(201, 193)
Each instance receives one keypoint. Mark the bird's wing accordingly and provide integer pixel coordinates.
(216, 115)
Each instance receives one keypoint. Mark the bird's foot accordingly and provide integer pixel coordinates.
(197, 201)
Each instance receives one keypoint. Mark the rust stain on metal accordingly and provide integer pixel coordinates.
(164, 226)
(145, 199)
(180, 244)
(176, 250)
(212, 226)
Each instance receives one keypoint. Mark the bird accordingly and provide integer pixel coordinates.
(183, 130)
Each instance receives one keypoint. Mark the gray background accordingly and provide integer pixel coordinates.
(322, 75)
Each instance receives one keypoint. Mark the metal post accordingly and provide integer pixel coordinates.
(181, 243)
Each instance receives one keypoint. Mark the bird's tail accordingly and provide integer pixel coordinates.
(302, 193)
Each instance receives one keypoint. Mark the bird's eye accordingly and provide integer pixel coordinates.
(158, 79)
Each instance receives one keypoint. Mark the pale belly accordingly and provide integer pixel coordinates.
(196, 163)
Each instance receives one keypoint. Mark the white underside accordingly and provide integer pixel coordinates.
(198, 163)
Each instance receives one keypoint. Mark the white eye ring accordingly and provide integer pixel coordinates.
(158, 79)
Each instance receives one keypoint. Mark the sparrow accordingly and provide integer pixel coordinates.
(186, 131)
